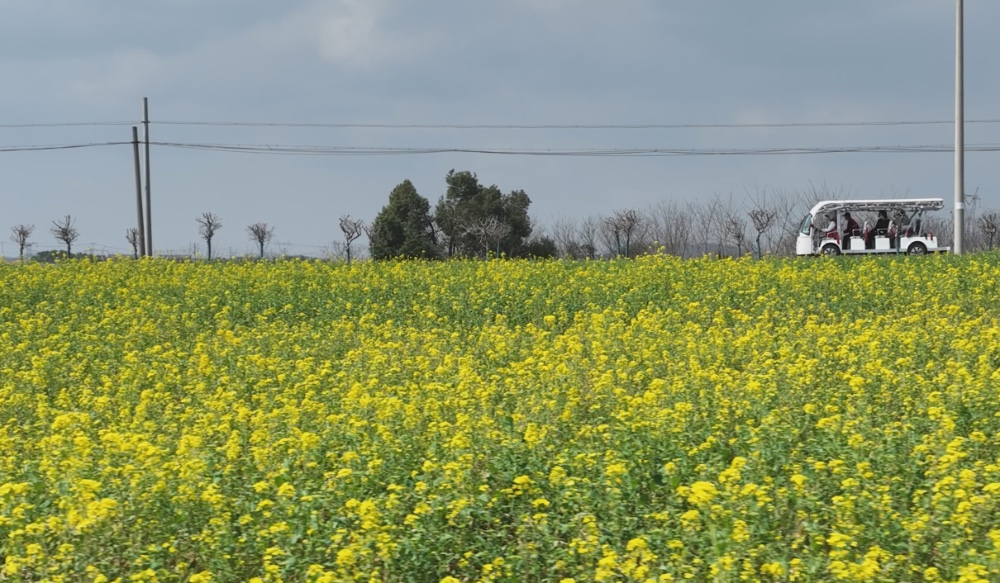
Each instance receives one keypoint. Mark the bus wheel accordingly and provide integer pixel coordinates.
(916, 249)
(831, 250)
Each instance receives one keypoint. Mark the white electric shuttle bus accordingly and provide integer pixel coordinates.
(882, 226)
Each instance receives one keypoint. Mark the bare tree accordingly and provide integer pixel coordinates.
(670, 227)
(633, 225)
(707, 225)
(988, 224)
(815, 193)
(20, 234)
(564, 234)
(975, 237)
(66, 232)
(260, 233)
(611, 236)
(132, 236)
(334, 251)
(589, 228)
(352, 229)
(763, 206)
(208, 224)
(620, 230)
(736, 228)
(763, 220)
(489, 232)
(727, 223)
(789, 209)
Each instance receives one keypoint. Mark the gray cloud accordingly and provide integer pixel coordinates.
(454, 61)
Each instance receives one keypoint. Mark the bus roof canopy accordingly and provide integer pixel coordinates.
(885, 204)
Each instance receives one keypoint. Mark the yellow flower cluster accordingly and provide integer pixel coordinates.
(647, 420)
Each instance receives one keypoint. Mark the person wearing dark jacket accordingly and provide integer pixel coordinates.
(881, 229)
(882, 224)
(850, 229)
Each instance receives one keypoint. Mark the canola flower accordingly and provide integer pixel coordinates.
(648, 420)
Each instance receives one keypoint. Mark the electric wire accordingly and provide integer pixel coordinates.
(313, 150)
(42, 147)
(67, 124)
(445, 126)
(308, 150)
(569, 126)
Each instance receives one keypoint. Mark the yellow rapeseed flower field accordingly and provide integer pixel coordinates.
(647, 420)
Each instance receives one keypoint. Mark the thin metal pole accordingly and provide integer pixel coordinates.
(138, 191)
(149, 202)
(959, 134)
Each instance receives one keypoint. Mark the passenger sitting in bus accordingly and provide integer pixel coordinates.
(902, 225)
(882, 224)
(881, 229)
(831, 227)
(852, 229)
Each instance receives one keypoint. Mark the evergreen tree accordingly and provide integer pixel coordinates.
(455, 212)
(403, 228)
(467, 204)
(541, 248)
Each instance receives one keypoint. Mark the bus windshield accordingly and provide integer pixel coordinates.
(806, 223)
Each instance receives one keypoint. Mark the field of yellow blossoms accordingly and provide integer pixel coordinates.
(648, 420)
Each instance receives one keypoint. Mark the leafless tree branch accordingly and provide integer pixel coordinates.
(260, 233)
(20, 234)
(208, 224)
(132, 236)
(352, 229)
(489, 232)
(988, 224)
(65, 231)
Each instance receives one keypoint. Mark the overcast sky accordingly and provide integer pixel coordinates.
(461, 62)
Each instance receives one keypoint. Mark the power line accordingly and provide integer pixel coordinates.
(312, 150)
(652, 126)
(40, 147)
(568, 126)
(65, 124)
(308, 150)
